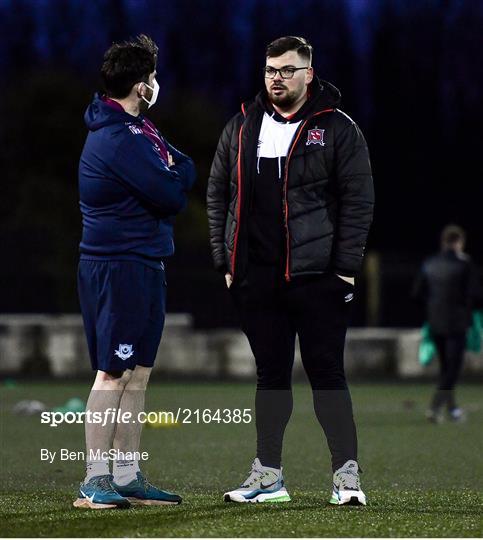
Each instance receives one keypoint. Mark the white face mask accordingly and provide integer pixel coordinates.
(154, 97)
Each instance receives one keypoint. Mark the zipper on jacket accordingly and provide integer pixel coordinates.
(285, 188)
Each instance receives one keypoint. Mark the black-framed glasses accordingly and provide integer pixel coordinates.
(286, 72)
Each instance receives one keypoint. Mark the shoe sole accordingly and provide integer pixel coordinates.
(84, 503)
(277, 497)
(151, 502)
(352, 500)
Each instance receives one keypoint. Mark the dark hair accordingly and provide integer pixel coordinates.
(290, 43)
(128, 63)
(452, 234)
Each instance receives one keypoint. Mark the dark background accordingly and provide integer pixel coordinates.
(410, 74)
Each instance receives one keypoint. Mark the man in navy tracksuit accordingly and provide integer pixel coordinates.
(131, 183)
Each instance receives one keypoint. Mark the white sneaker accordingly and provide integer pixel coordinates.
(457, 415)
(435, 416)
(263, 484)
(347, 486)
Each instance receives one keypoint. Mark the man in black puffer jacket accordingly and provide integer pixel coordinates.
(448, 284)
(290, 202)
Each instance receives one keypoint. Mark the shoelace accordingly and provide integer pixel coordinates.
(105, 483)
(253, 477)
(349, 479)
(145, 483)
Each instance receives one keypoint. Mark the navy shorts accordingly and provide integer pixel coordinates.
(123, 308)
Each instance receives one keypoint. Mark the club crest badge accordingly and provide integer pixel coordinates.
(125, 351)
(135, 129)
(315, 136)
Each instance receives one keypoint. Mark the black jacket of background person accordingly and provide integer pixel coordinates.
(328, 193)
(448, 284)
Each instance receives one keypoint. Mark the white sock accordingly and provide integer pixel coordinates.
(124, 471)
(96, 468)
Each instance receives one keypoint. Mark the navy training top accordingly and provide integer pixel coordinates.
(128, 194)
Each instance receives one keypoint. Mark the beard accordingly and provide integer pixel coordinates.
(284, 100)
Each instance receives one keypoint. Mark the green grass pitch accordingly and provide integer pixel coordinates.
(420, 479)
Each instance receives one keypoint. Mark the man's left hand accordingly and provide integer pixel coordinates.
(348, 279)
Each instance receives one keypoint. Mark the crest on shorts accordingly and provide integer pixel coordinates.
(125, 351)
(315, 136)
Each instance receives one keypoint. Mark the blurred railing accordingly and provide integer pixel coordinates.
(46, 345)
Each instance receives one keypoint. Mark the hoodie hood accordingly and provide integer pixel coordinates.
(323, 95)
(100, 114)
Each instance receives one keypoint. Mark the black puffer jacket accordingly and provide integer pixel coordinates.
(449, 285)
(328, 189)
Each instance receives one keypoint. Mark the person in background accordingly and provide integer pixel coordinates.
(448, 285)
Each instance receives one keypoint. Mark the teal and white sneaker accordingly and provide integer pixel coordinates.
(140, 491)
(347, 486)
(99, 493)
(264, 484)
